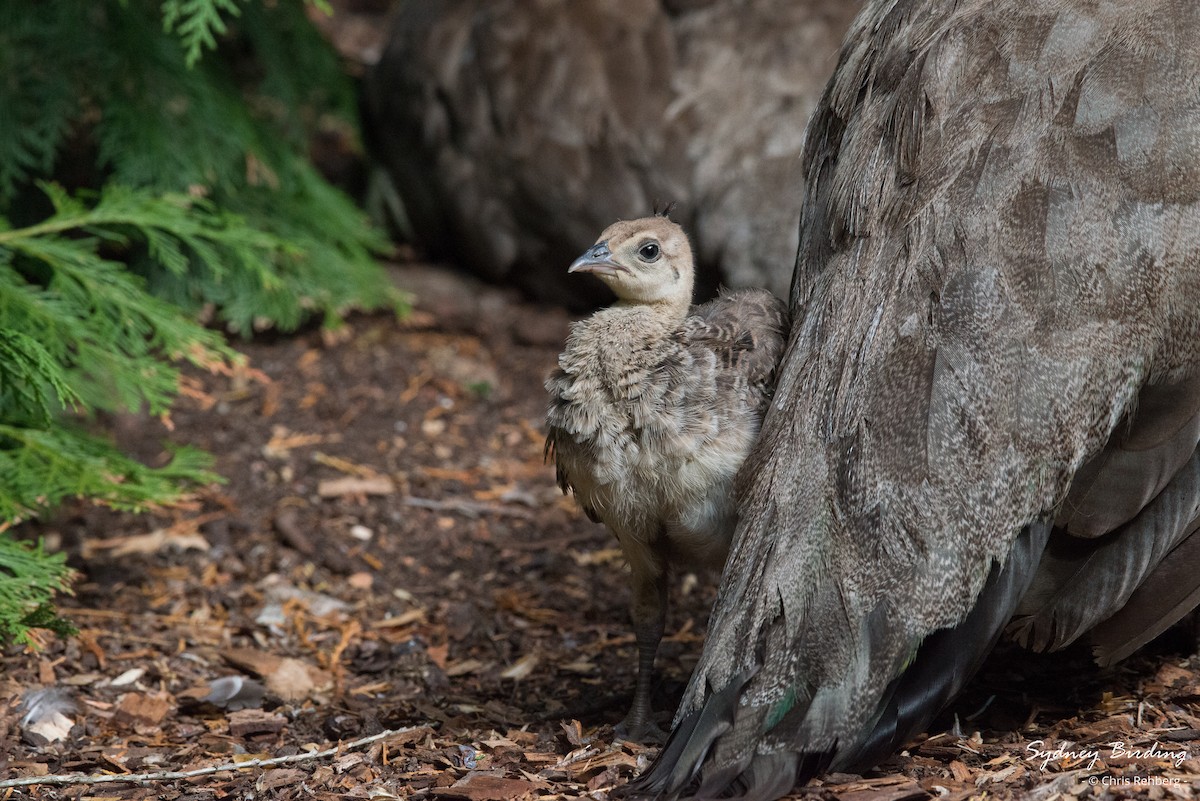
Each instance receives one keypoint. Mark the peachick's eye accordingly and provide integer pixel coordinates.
(649, 251)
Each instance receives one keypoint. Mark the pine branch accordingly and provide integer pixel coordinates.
(233, 129)
(38, 98)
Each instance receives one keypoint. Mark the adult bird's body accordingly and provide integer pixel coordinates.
(653, 408)
(515, 130)
(995, 344)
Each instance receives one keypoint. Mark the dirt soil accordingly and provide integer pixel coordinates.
(390, 553)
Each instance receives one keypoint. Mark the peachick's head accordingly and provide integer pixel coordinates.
(642, 261)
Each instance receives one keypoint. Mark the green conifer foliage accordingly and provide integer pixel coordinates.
(214, 98)
(179, 129)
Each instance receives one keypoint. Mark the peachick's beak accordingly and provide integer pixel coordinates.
(596, 260)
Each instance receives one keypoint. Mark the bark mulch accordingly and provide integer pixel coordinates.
(389, 553)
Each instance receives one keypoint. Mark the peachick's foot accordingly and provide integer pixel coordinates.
(644, 731)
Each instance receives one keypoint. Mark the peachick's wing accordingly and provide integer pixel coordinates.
(747, 331)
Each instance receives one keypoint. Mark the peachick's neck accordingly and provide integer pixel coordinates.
(618, 339)
(670, 310)
(624, 322)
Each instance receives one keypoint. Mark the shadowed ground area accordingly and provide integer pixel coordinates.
(390, 553)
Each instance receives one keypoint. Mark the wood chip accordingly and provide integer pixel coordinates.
(287, 524)
(361, 580)
(282, 441)
(521, 668)
(908, 789)
(960, 771)
(354, 485)
(249, 722)
(177, 538)
(465, 668)
(23, 769)
(128, 677)
(399, 621)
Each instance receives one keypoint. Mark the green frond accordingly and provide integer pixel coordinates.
(39, 97)
(198, 23)
(29, 578)
(41, 467)
(33, 383)
(96, 321)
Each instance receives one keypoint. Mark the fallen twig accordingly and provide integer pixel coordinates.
(170, 775)
(466, 508)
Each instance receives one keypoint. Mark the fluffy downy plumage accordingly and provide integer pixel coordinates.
(988, 403)
(653, 408)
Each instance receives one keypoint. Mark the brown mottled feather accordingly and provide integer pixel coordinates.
(516, 130)
(999, 256)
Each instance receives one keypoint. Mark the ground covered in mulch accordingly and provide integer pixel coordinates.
(389, 553)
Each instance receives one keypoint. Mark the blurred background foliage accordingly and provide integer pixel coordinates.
(155, 187)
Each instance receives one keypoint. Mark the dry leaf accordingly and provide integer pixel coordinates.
(279, 777)
(289, 678)
(480, 786)
(574, 731)
(521, 668)
(295, 680)
(147, 709)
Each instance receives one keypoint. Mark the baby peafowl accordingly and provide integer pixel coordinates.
(653, 408)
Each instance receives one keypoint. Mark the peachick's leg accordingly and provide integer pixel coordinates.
(649, 613)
